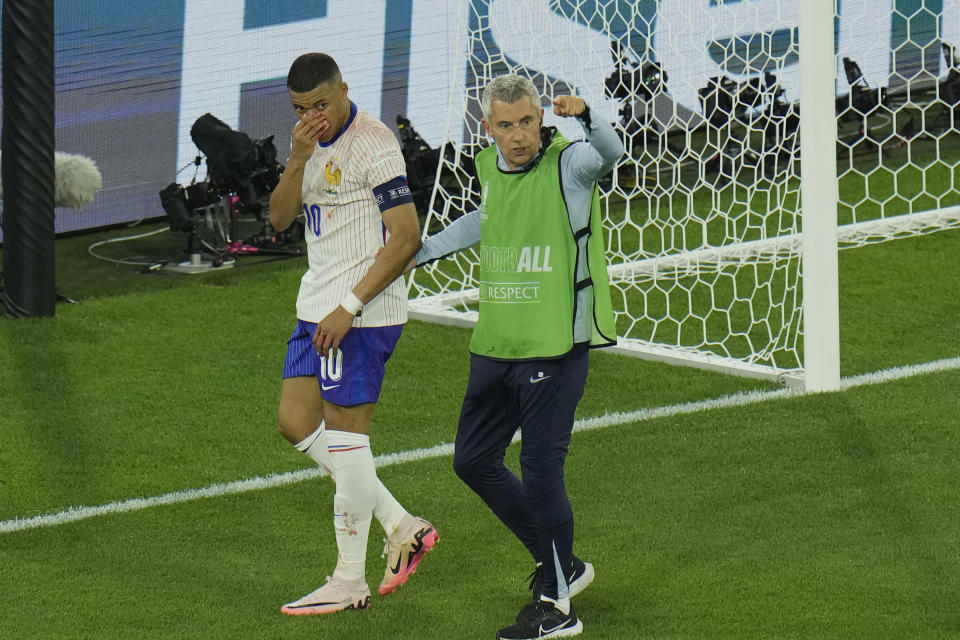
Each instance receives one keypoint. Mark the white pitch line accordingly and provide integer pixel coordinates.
(73, 514)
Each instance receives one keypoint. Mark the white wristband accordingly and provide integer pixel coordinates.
(351, 303)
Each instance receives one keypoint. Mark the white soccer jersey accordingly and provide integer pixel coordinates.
(344, 228)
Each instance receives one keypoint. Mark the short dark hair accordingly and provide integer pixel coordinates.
(311, 70)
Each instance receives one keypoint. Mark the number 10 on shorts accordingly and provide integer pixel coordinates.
(331, 368)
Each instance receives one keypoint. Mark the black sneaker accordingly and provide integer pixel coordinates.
(578, 578)
(542, 620)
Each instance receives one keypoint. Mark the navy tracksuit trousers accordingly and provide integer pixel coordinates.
(539, 397)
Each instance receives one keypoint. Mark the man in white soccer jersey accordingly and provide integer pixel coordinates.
(347, 175)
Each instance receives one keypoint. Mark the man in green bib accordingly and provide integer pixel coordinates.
(544, 302)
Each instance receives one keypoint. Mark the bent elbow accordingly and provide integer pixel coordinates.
(616, 153)
(410, 243)
(416, 242)
(277, 223)
(407, 237)
(278, 220)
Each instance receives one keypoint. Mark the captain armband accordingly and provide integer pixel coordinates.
(392, 193)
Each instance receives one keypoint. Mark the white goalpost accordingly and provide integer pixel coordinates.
(819, 198)
(762, 137)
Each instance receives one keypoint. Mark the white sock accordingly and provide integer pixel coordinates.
(315, 446)
(388, 512)
(353, 503)
(391, 515)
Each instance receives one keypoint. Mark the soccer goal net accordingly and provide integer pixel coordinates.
(705, 214)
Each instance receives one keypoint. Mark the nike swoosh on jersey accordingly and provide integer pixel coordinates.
(326, 388)
(540, 379)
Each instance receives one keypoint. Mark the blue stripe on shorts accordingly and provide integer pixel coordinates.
(355, 375)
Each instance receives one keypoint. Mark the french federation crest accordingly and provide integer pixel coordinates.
(332, 174)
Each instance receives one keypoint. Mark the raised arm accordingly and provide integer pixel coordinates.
(585, 163)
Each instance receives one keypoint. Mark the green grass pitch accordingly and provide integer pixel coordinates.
(827, 516)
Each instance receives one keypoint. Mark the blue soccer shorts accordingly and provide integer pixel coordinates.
(353, 376)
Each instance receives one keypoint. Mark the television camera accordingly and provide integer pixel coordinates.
(738, 109)
(862, 100)
(858, 106)
(423, 162)
(241, 174)
(724, 99)
(630, 79)
(635, 85)
(949, 88)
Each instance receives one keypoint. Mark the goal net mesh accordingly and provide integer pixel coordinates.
(703, 213)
